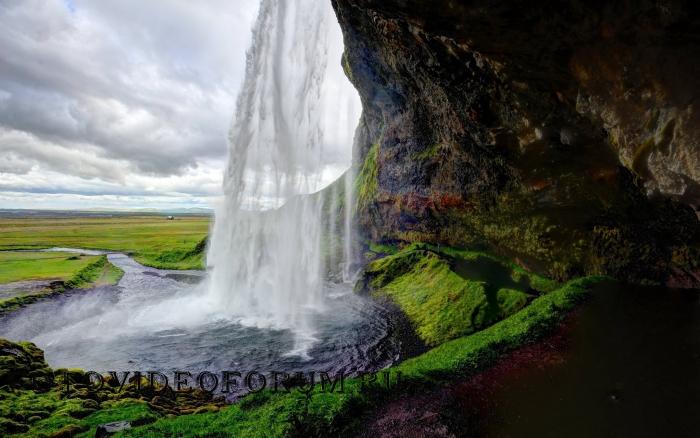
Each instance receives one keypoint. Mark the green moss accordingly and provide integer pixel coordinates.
(134, 411)
(442, 302)
(12, 304)
(427, 153)
(346, 66)
(379, 248)
(45, 413)
(366, 182)
(469, 353)
(88, 275)
(658, 142)
(639, 161)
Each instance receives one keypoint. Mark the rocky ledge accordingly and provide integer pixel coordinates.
(560, 135)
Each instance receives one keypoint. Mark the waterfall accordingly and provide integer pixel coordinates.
(264, 254)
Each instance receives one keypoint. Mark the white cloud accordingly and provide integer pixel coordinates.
(125, 101)
(126, 96)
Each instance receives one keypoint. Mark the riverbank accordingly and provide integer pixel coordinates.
(65, 270)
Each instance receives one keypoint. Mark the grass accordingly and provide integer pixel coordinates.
(21, 266)
(92, 271)
(98, 272)
(152, 240)
(180, 258)
(448, 293)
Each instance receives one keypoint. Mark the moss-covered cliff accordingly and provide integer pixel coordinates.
(562, 136)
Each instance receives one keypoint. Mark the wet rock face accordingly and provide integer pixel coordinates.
(562, 135)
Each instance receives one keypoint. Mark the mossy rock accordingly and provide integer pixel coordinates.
(8, 426)
(69, 431)
(440, 298)
(22, 365)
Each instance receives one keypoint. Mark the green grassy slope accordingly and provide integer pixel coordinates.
(448, 293)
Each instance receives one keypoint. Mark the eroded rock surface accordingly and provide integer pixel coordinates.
(563, 136)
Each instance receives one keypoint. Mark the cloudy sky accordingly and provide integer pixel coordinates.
(118, 104)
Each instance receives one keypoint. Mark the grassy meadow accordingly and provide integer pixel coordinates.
(24, 266)
(152, 240)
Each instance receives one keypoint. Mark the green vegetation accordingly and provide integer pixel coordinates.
(347, 69)
(89, 275)
(470, 306)
(176, 258)
(76, 272)
(448, 293)
(366, 182)
(34, 400)
(12, 304)
(20, 266)
(428, 152)
(152, 240)
(383, 249)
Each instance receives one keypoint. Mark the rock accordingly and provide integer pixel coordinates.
(22, 365)
(205, 409)
(8, 426)
(90, 404)
(108, 429)
(566, 139)
(69, 431)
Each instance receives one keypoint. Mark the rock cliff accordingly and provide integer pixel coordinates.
(561, 135)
